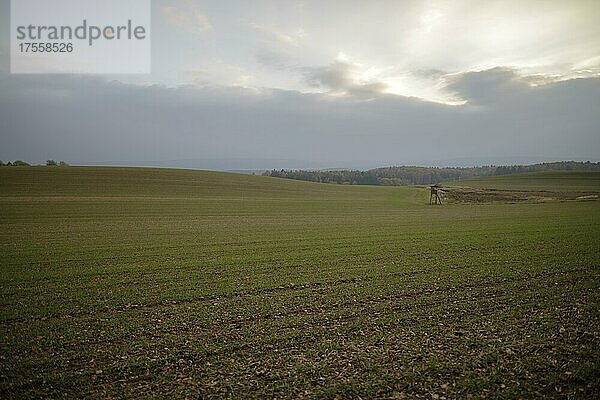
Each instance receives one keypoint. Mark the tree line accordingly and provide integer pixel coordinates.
(21, 163)
(411, 175)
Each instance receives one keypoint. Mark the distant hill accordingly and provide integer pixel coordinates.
(412, 175)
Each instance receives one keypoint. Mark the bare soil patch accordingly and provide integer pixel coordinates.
(465, 194)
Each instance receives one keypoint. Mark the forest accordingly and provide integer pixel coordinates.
(413, 175)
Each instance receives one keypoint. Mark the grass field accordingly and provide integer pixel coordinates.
(121, 282)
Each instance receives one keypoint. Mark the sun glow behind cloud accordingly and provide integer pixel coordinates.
(394, 48)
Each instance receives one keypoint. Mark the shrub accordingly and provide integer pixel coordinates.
(20, 163)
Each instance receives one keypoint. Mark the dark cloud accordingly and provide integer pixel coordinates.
(82, 119)
(487, 86)
(338, 77)
(503, 90)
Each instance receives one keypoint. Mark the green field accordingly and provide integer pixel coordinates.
(130, 282)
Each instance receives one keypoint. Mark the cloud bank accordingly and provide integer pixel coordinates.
(327, 84)
(94, 120)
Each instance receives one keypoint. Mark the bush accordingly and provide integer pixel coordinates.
(20, 163)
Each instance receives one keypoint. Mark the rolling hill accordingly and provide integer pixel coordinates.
(132, 282)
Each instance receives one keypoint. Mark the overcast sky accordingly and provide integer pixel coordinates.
(272, 84)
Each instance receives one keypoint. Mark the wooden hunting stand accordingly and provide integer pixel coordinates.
(434, 196)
